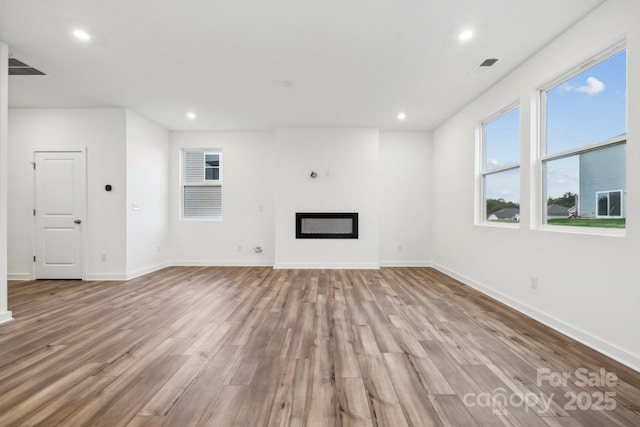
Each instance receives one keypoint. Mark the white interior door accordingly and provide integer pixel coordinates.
(60, 200)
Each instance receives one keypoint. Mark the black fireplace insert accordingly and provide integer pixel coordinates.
(323, 225)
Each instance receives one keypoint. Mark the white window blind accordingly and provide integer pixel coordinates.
(193, 166)
(202, 201)
(202, 192)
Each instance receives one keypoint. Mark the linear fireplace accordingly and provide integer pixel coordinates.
(322, 225)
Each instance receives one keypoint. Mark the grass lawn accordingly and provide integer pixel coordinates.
(589, 222)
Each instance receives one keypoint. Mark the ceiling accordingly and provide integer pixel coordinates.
(256, 64)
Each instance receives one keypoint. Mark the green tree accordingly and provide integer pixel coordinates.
(567, 200)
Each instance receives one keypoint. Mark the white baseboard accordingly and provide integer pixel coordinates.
(147, 270)
(326, 266)
(100, 277)
(241, 263)
(20, 276)
(5, 317)
(406, 264)
(579, 335)
(126, 276)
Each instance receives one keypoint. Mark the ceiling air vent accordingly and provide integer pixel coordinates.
(19, 68)
(489, 62)
(484, 66)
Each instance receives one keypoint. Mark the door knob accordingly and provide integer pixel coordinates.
(77, 221)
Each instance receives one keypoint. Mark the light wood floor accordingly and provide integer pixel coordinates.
(256, 346)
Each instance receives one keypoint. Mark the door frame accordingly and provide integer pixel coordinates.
(85, 155)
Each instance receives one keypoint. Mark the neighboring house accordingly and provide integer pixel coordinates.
(506, 213)
(603, 183)
(557, 211)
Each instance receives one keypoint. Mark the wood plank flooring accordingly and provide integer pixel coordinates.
(213, 346)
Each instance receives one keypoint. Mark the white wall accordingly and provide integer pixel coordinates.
(141, 161)
(588, 284)
(147, 204)
(271, 172)
(405, 199)
(247, 202)
(103, 133)
(346, 161)
(4, 99)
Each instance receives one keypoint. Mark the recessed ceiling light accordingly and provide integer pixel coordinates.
(81, 35)
(191, 115)
(401, 116)
(465, 35)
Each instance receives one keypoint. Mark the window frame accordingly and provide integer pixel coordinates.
(219, 167)
(543, 158)
(204, 183)
(483, 173)
(608, 193)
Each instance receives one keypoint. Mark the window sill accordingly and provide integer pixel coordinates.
(593, 231)
(201, 219)
(514, 225)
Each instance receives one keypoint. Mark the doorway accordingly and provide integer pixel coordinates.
(60, 206)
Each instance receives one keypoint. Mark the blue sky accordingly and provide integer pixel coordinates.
(586, 109)
(503, 149)
(503, 136)
(589, 108)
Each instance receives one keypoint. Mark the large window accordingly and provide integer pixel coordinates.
(500, 172)
(202, 184)
(584, 145)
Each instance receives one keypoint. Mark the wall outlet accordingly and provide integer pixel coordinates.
(399, 248)
(239, 248)
(533, 282)
(103, 257)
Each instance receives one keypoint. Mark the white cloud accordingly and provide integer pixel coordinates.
(563, 178)
(566, 87)
(593, 87)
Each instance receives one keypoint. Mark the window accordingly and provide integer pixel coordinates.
(609, 204)
(202, 184)
(583, 147)
(212, 166)
(500, 172)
